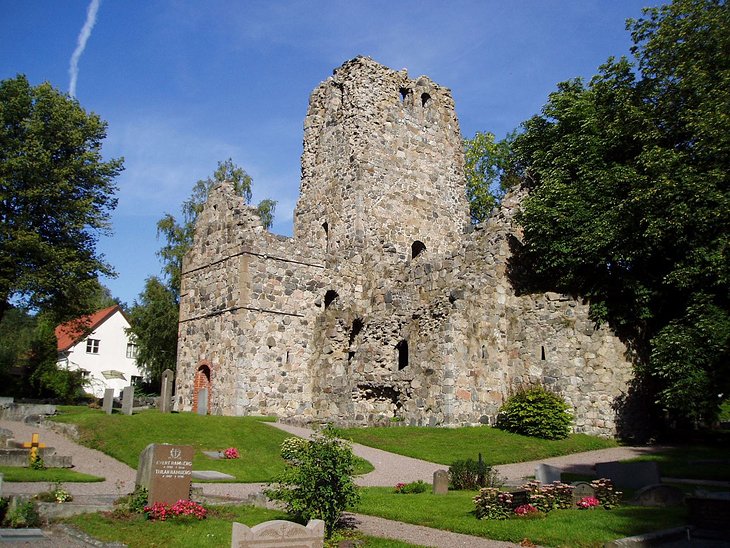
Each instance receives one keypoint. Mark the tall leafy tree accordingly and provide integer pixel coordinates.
(489, 172)
(179, 235)
(630, 200)
(153, 321)
(56, 195)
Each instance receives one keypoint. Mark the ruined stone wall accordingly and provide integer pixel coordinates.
(348, 321)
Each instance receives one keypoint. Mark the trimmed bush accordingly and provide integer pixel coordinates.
(470, 475)
(537, 412)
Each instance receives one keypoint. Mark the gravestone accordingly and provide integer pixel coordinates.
(278, 534)
(166, 391)
(582, 489)
(127, 399)
(202, 401)
(440, 482)
(659, 496)
(108, 401)
(633, 475)
(166, 471)
(520, 497)
(546, 474)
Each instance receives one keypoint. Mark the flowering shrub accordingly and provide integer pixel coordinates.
(526, 509)
(182, 509)
(491, 503)
(549, 497)
(292, 448)
(605, 493)
(231, 453)
(587, 502)
(411, 488)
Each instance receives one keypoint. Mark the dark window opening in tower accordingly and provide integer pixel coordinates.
(542, 353)
(326, 229)
(402, 348)
(417, 248)
(330, 297)
(404, 92)
(357, 326)
(425, 98)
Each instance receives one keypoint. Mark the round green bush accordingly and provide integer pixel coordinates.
(536, 412)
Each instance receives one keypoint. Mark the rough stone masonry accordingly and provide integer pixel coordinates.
(386, 304)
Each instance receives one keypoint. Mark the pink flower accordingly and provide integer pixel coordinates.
(587, 502)
(231, 453)
(525, 509)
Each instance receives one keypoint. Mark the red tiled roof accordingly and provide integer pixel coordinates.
(73, 331)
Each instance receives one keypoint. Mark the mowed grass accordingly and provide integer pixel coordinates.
(445, 445)
(52, 475)
(692, 462)
(124, 437)
(214, 531)
(454, 512)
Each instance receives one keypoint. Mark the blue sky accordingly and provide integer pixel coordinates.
(186, 83)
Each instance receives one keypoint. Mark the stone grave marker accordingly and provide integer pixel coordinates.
(108, 401)
(582, 489)
(202, 401)
(127, 399)
(166, 472)
(34, 445)
(633, 475)
(166, 391)
(278, 534)
(546, 474)
(659, 496)
(520, 497)
(440, 482)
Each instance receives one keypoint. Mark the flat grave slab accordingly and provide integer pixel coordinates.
(211, 475)
(213, 454)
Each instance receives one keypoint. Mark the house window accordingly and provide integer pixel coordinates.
(92, 346)
(131, 350)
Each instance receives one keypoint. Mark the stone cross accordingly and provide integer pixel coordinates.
(127, 399)
(33, 445)
(108, 401)
(166, 391)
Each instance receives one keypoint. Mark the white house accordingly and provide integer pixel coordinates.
(98, 345)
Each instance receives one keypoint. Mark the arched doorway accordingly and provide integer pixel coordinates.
(202, 387)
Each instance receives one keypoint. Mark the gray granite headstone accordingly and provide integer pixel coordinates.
(127, 400)
(108, 401)
(440, 482)
(278, 533)
(166, 472)
(166, 391)
(659, 496)
(633, 475)
(546, 474)
(582, 489)
(202, 401)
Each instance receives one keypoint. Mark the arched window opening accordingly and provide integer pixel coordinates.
(404, 92)
(484, 352)
(417, 248)
(205, 370)
(425, 99)
(402, 349)
(330, 297)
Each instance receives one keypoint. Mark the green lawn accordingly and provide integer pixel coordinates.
(52, 475)
(124, 437)
(692, 462)
(445, 445)
(454, 512)
(214, 531)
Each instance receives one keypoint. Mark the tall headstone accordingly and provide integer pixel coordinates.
(166, 391)
(278, 533)
(633, 475)
(440, 482)
(546, 474)
(108, 401)
(202, 401)
(166, 472)
(127, 400)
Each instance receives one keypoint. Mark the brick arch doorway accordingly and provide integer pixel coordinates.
(202, 381)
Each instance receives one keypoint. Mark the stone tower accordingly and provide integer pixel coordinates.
(386, 305)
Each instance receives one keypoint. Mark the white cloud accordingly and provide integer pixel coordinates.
(83, 37)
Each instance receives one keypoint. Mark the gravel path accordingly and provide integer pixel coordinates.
(389, 470)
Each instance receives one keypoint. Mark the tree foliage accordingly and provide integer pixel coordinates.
(489, 172)
(153, 323)
(56, 195)
(629, 202)
(179, 235)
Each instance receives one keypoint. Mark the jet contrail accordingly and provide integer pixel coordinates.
(73, 68)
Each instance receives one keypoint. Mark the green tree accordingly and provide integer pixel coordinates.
(630, 202)
(179, 235)
(56, 195)
(153, 323)
(489, 172)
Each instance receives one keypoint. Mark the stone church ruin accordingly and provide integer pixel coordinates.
(386, 304)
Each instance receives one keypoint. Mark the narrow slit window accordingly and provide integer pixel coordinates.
(402, 349)
(326, 229)
(542, 353)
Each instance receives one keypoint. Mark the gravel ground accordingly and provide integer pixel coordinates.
(389, 470)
